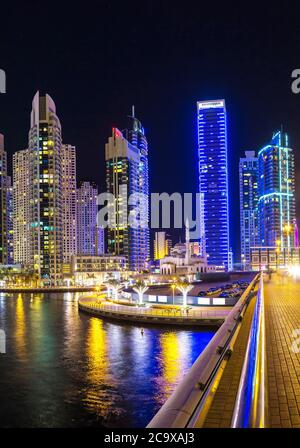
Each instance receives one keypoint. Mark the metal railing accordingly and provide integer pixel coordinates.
(187, 406)
(251, 404)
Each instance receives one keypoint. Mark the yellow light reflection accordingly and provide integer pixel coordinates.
(170, 352)
(20, 328)
(96, 398)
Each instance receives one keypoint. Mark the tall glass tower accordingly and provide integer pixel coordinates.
(213, 179)
(248, 177)
(276, 205)
(126, 155)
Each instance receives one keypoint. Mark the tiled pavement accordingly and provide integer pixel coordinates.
(282, 314)
(282, 310)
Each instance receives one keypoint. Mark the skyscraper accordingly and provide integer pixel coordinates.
(213, 179)
(9, 222)
(45, 174)
(162, 245)
(69, 202)
(3, 202)
(90, 238)
(37, 195)
(248, 178)
(21, 200)
(276, 186)
(126, 155)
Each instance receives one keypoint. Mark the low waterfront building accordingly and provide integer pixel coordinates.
(181, 261)
(265, 258)
(91, 270)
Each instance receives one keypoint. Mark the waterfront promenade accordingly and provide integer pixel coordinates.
(44, 289)
(282, 309)
(165, 316)
(282, 359)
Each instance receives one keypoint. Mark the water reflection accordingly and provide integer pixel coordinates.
(20, 329)
(65, 368)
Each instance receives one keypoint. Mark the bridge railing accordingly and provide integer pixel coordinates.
(251, 406)
(186, 407)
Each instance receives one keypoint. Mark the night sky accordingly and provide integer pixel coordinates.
(96, 62)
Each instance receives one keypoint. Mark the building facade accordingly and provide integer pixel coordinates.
(162, 245)
(9, 222)
(21, 199)
(69, 202)
(90, 270)
(276, 186)
(248, 180)
(213, 180)
(3, 203)
(90, 239)
(127, 174)
(45, 205)
(37, 195)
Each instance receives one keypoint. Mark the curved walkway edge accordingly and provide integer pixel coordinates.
(153, 317)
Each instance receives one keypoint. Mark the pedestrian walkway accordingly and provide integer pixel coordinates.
(282, 314)
(221, 409)
(282, 311)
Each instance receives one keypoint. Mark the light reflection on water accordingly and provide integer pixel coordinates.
(64, 368)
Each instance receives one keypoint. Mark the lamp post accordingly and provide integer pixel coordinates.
(287, 228)
(244, 262)
(173, 286)
(278, 244)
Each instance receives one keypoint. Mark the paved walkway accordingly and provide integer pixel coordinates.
(282, 314)
(221, 409)
(282, 310)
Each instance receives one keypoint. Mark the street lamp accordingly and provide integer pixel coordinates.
(287, 228)
(244, 262)
(173, 286)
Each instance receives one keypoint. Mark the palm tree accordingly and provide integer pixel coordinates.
(184, 288)
(140, 288)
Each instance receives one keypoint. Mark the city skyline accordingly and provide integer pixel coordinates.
(149, 219)
(133, 135)
(163, 84)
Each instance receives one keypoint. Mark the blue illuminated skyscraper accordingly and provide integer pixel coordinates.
(213, 179)
(276, 184)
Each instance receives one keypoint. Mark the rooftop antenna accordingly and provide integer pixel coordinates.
(132, 111)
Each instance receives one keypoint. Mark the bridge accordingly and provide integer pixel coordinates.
(249, 374)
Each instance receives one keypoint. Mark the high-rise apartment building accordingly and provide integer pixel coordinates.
(162, 245)
(276, 186)
(38, 195)
(21, 201)
(90, 237)
(69, 202)
(126, 156)
(45, 174)
(213, 180)
(248, 179)
(3, 203)
(9, 221)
